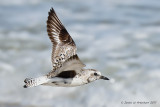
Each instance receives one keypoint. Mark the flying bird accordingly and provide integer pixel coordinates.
(68, 70)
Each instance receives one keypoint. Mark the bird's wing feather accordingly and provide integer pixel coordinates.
(63, 44)
(73, 63)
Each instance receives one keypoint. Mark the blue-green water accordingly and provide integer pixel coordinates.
(120, 38)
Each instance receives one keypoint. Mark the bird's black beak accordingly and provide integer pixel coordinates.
(104, 78)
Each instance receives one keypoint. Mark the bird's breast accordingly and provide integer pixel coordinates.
(65, 82)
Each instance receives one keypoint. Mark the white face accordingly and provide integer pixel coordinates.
(95, 75)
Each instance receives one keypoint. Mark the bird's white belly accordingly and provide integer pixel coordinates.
(65, 82)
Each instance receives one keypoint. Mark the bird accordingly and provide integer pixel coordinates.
(68, 70)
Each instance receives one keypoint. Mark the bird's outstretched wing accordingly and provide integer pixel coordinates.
(73, 63)
(71, 67)
(63, 44)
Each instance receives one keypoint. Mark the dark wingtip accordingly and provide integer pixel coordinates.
(52, 10)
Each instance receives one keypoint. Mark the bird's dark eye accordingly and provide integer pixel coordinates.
(95, 74)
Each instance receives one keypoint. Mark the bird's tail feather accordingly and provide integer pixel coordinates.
(31, 82)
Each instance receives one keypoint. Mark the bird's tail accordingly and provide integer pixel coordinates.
(32, 82)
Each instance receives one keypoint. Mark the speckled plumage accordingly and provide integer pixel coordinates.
(63, 45)
(67, 70)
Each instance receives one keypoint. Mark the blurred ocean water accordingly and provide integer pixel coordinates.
(120, 38)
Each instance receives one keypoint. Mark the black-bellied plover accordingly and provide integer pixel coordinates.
(68, 70)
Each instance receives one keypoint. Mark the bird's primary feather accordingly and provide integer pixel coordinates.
(63, 45)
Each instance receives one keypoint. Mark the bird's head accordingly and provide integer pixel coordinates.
(95, 75)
